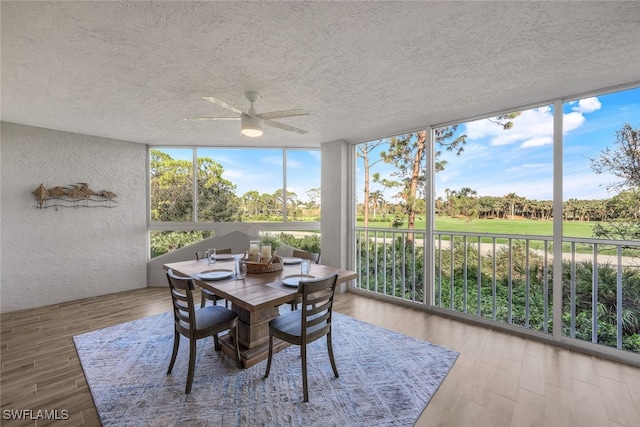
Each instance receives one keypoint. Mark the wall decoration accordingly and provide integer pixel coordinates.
(73, 196)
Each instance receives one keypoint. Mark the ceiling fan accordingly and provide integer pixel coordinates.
(252, 122)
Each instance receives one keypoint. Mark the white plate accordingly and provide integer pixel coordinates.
(223, 257)
(290, 260)
(292, 281)
(215, 274)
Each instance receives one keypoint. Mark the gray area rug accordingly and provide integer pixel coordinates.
(386, 379)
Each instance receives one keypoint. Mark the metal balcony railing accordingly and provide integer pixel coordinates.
(508, 279)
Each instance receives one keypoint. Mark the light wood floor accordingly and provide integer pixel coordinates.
(498, 380)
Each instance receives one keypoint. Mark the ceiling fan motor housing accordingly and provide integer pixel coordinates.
(251, 125)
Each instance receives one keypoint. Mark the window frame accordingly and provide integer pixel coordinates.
(194, 225)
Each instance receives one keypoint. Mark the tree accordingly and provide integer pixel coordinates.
(362, 151)
(172, 198)
(376, 201)
(313, 205)
(293, 206)
(623, 161)
(464, 202)
(217, 201)
(407, 153)
(171, 188)
(512, 200)
(251, 204)
(624, 209)
(313, 195)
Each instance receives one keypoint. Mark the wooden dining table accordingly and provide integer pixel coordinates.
(256, 299)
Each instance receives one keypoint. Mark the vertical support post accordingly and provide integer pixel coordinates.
(557, 219)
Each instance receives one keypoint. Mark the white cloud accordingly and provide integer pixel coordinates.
(272, 160)
(530, 125)
(530, 166)
(588, 105)
(448, 175)
(585, 185)
(538, 141)
(572, 121)
(533, 128)
(233, 174)
(295, 164)
(224, 160)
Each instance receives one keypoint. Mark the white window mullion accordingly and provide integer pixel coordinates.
(428, 261)
(284, 185)
(195, 184)
(557, 219)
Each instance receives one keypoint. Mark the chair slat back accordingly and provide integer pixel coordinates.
(317, 306)
(181, 289)
(312, 256)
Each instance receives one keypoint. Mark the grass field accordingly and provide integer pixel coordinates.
(500, 226)
(523, 227)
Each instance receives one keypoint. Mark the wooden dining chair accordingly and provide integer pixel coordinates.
(207, 294)
(311, 322)
(311, 256)
(197, 323)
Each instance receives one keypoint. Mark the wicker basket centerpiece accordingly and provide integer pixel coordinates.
(273, 264)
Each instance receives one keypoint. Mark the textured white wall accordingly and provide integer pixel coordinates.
(50, 256)
(334, 227)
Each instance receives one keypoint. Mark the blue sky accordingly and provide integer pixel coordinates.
(261, 169)
(496, 162)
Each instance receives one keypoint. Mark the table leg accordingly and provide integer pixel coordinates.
(253, 333)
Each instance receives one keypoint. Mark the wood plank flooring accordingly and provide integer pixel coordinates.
(498, 380)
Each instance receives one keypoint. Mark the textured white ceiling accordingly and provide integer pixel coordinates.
(134, 70)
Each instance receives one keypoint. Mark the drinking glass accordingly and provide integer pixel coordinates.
(241, 269)
(212, 256)
(305, 267)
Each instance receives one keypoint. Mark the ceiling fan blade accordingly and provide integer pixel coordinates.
(203, 119)
(222, 104)
(284, 113)
(285, 127)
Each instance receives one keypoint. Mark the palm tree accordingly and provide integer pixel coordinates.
(376, 200)
(512, 199)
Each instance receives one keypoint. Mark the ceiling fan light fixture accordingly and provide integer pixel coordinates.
(251, 126)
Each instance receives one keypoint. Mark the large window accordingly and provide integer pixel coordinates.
(502, 192)
(390, 178)
(499, 176)
(303, 185)
(601, 192)
(234, 185)
(171, 185)
(601, 178)
(228, 186)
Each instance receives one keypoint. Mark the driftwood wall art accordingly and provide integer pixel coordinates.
(73, 196)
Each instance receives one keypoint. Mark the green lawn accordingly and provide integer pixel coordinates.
(501, 226)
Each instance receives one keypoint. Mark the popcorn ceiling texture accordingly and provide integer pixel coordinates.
(132, 70)
(51, 256)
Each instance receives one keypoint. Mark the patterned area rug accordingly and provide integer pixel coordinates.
(385, 379)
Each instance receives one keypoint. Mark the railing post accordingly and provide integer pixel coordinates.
(619, 299)
(594, 295)
(395, 260)
(558, 118)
